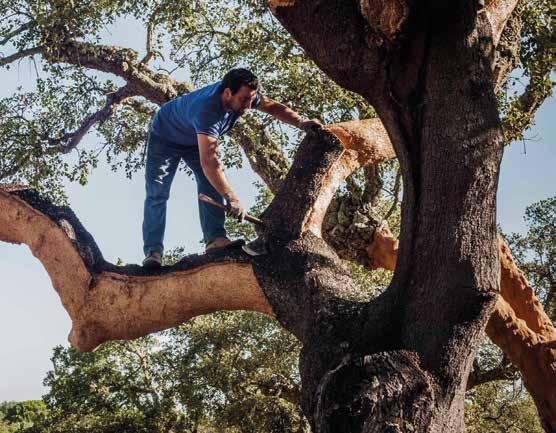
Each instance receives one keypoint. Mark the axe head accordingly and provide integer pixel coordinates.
(256, 247)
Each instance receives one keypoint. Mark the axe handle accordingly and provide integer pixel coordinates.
(248, 217)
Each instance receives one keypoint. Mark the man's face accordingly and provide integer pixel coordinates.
(241, 101)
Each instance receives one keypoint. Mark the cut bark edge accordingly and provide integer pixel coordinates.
(107, 302)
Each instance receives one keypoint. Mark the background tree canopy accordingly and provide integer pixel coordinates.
(232, 372)
(202, 40)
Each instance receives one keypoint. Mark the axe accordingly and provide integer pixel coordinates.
(248, 217)
(254, 248)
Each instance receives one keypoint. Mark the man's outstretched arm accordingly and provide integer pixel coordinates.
(286, 114)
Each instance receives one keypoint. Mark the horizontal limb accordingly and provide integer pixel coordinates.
(107, 302)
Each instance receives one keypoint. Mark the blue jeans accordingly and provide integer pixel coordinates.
(163, 158)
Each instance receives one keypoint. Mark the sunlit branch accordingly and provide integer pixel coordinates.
(498, 12)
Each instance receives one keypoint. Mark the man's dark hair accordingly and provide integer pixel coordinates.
(235, 78)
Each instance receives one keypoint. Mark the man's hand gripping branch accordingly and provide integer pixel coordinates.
(286, 114)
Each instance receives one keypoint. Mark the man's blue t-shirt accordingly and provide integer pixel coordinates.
(198, 112)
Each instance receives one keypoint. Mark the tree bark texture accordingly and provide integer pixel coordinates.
(363, 142)
(354, 372)
(518, 324)
(107, 302)
(449, 152)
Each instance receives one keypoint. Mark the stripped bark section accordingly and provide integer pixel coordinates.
(125, 302)
(387, 17)
(521, 328)
(123, 306)
(275, 4)
(366, 143)
(498, 13)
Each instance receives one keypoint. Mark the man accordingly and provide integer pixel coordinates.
(188, 128)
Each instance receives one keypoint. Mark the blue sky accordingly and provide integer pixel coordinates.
(32, 320)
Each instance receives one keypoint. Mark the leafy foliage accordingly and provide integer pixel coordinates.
(16, 416)
(524, 94)
(203, 38)
(501, 408)
(233, 372)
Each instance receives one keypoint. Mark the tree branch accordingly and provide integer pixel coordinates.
(498, 13)
(349, 58)
(518, 323)
(139, 107)
(373, 184)
(521, 113)
(107, 302)
(160, 88)
(156, 87)
(15, 32)
(507, 51)
(264, 155)
(19, 55)
(69, 141)
(385, 17)
(335, 153)
(503, 371)
(532, 353)
(365, 142)
(149, 41)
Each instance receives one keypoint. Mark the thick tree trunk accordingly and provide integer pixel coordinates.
(387, 21)
(518, 324)
(409, 371)
(364, 143)
(357, 373)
